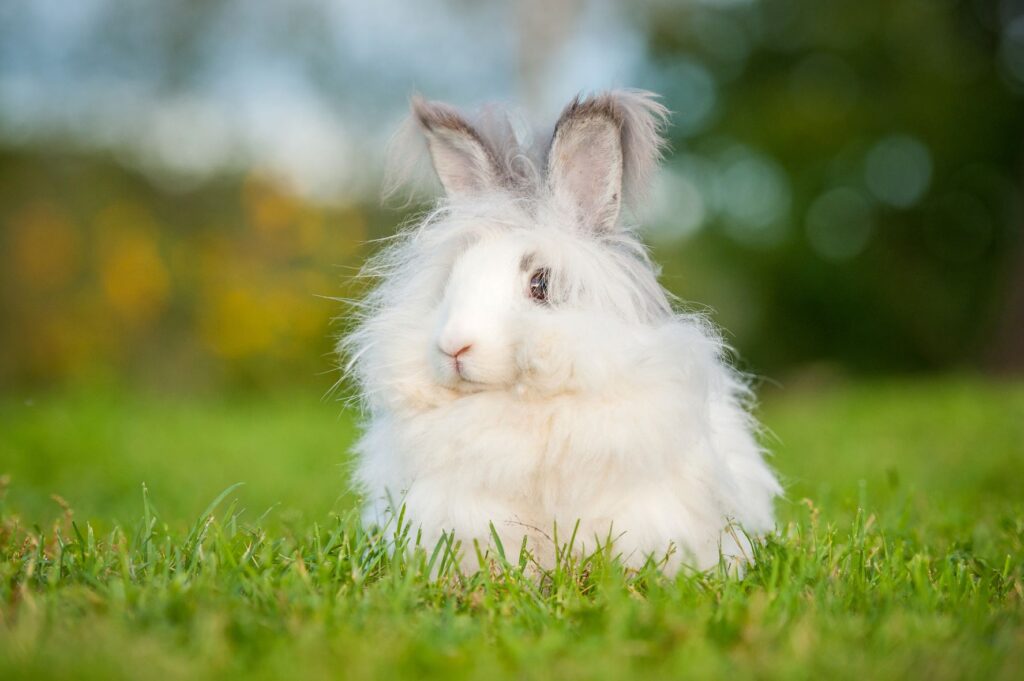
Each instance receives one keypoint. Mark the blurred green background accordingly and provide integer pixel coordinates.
(183, 185)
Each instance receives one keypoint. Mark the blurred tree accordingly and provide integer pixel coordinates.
(897, 136)
(104, 274)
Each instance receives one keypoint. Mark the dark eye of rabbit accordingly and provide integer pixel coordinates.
(539, 285)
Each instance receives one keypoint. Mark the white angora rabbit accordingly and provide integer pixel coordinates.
(521, 366)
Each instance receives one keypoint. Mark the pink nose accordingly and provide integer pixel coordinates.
(461, 351)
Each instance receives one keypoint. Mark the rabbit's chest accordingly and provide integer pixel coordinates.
(543, 453)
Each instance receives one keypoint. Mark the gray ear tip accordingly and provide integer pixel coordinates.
(423, 110)
(633, 101)
(598, 105)
(433, 115)
(632, 110)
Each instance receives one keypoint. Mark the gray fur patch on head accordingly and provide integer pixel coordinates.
(526, 262)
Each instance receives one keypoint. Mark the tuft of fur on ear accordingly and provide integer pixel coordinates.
(643, 125)
(605, 146)
(465, 163)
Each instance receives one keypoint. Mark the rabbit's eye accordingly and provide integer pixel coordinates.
(539, 285)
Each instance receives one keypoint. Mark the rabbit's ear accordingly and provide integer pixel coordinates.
(603, 147)
(585, 163)
(464, 163)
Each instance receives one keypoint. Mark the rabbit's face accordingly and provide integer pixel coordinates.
(492, 286)
(523, 245)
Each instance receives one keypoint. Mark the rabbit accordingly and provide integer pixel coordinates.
(521, 368)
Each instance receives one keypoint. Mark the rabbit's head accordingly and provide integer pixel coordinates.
(520, 239)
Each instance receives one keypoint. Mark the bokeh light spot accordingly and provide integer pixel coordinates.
(839, 223)
(690, 89)
(752, 193)
(897, 170)
(1011, 49)
(678, 206)
(134, 277)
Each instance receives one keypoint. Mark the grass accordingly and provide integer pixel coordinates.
(900, 554)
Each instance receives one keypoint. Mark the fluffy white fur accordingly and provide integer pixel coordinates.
(601, 405)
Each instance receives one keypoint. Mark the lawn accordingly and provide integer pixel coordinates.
(900, 553)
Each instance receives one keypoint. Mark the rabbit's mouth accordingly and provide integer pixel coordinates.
(465, 379)
(453, 373)
(460, 384)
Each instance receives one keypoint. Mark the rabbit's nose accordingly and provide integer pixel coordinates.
(461, 351)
